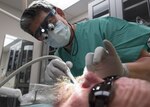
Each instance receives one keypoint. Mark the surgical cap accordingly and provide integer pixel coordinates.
(43, 3)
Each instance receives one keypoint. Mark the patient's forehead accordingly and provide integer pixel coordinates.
(64, 88)
(73, 96)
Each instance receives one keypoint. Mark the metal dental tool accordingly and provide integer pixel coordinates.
(68, 72)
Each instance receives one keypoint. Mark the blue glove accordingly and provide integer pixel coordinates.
(105, 61)
(56, 69)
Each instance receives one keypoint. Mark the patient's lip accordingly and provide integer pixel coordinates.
(90, 79)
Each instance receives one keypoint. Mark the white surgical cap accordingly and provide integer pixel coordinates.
(44, 3)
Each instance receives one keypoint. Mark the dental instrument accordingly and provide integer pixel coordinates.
(10, 92)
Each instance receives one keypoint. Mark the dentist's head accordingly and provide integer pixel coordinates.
(46, 22)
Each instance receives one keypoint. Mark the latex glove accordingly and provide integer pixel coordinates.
(104, 61)
(55, 69)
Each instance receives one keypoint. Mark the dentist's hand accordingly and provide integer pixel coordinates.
(56, 69)
(104, 61)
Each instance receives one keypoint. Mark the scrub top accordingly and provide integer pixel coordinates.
(128, 38)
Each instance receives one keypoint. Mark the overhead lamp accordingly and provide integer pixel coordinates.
(63, 4)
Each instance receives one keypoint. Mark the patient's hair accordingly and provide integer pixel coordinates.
(63, 89)
(53, 94)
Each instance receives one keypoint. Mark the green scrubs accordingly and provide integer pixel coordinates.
(128, 39)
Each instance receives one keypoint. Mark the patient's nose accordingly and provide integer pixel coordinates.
(90, 79)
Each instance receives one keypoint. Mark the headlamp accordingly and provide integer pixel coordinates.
(45, 25)
(100, 94)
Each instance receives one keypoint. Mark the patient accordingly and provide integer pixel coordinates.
(101, 64)
(126, 92)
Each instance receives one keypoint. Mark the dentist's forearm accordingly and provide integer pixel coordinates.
(129, 92)
(139, 69)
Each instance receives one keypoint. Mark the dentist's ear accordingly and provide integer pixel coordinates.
(60, 12)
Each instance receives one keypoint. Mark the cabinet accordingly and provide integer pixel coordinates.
(46, 50)
(98, 8)
(19, 54)
(137, 11)
(130, 10)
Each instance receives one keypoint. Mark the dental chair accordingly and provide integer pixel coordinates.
(35, 98)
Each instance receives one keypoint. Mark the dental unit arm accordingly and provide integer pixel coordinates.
(10, 92)
(25, 66)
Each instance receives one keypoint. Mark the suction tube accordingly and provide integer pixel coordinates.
(27, 65)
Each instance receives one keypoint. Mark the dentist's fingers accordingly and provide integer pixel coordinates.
(89, 59)
(109, 47)
(54, 71)
(69, 64)
(60, 65)
(99, 54)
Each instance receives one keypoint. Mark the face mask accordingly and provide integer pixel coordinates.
(60, 36)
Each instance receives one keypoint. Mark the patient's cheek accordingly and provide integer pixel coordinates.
(90, 79)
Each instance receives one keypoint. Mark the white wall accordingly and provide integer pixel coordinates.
(9, 25)
(79, 18)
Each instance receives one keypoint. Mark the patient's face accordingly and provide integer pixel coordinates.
(79, 98)
(79, 95)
